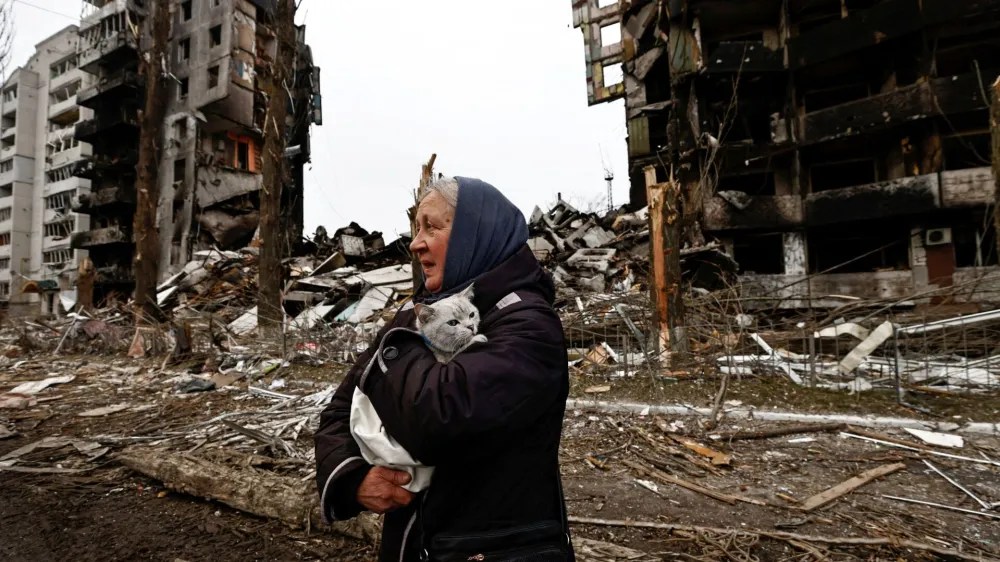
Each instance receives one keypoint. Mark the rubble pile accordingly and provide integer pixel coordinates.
(588, 253)
(341, 289)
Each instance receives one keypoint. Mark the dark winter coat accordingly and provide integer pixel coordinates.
(489, 421)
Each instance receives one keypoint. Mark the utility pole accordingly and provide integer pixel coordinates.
(279, 79)
(995, 148)
(147, 252)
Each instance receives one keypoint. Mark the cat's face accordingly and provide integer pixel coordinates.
(451, 323)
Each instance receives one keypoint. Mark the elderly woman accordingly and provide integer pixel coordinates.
(489, 421)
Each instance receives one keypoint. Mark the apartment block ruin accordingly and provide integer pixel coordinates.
(38, 151)
(838, 148)
(210, 166)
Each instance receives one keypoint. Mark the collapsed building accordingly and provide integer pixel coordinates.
(210, 167)
(839, 149)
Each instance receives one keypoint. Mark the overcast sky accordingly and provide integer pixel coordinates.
(497, 90)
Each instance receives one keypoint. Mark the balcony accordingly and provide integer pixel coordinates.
(99, 237)
(8, 151)
(758, 212)
(124, 120)
(121, 163)
(108, 52)
(64, 112)
(825, 290)
(66, 185)
(71, 155)
(122, 85)
(8, 132)
(973, 187)
(94, 15)
(87, 202)
(906, 196)
(220, 184)
(65, 78)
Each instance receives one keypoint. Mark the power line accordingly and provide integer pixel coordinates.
(74, 18)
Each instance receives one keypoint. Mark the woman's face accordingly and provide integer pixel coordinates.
(434, 218)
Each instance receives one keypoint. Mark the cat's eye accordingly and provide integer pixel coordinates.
(472, 315)
(453, 322)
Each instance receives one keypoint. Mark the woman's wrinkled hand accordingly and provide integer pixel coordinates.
(381, 491)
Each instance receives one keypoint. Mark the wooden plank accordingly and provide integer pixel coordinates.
(718, 458)
(848, 486)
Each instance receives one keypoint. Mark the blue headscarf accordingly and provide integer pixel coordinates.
(487, 231)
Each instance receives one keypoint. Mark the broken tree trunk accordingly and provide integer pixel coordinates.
(147, 251)
(426, 177)
(255, 492)
(270, 314)
(86, 274)
(655, 197)
(995, 147)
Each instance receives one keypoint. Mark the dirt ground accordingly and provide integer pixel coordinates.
(106, 512)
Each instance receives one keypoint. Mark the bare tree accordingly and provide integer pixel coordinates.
(6, 35)
(280, 81)
(147, 252)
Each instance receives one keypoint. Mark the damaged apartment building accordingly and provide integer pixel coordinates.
(38, 151)
(211, 163)
(839, 149)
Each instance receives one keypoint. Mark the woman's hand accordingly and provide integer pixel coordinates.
(381, 491)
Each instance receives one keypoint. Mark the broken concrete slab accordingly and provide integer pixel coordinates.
(311, 317)
(373, 302)
(592, 258)
(35, 387)
(245, 323)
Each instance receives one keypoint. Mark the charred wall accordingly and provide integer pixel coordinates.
(798, 121)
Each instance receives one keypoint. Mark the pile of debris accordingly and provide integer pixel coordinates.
(588, 253)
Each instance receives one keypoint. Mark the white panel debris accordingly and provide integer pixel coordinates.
(866, 347)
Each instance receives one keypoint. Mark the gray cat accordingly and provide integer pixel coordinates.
(449, 325)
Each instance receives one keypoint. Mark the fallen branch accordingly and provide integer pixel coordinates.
(848, 486)
(782, 431)
(666, 478)
(264, 495)
(894, 542)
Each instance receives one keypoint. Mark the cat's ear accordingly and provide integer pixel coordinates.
(424, 312)
(469, 292)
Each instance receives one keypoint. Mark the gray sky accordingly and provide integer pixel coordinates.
(497, 90)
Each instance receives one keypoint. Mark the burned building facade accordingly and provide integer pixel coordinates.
(210, 165)
(838, 148)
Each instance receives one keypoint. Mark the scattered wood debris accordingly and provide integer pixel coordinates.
(848, 486)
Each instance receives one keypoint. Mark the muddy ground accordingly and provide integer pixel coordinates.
(106, 512)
